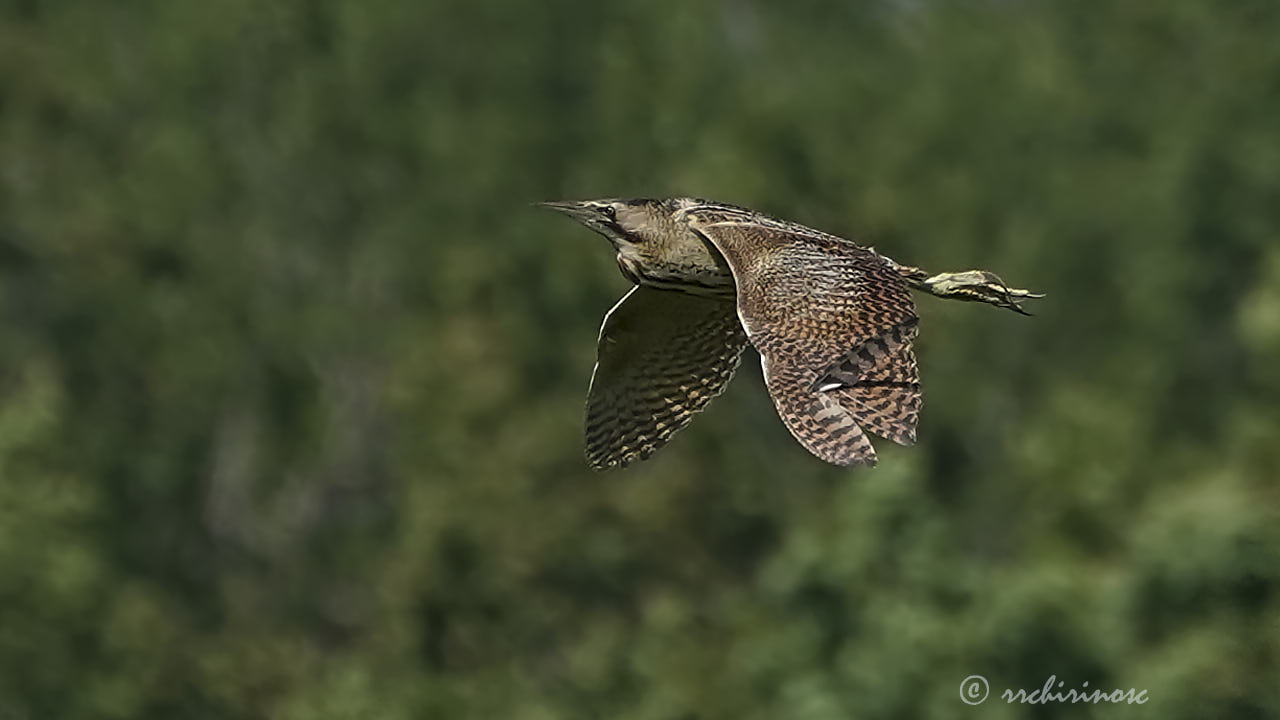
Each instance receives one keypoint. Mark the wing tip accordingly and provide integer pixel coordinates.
(865, 459)
(604, 458)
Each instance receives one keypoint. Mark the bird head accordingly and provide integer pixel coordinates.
(626, 223)
(653, 247)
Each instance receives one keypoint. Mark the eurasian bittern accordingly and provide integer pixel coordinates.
(833, 322)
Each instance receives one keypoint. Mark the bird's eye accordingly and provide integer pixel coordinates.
(608, 212)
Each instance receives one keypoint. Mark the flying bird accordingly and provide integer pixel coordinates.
(833, 322)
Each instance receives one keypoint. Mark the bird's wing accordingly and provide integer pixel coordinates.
(833, 323)
(880, 385)
(662, 356)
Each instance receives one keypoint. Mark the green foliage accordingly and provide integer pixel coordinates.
(291, 375)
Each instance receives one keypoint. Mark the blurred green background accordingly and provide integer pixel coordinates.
(291, 375)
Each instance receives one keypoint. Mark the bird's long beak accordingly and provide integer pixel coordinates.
(579, 211)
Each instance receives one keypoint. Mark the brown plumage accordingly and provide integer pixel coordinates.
(824, 314)
(661, 357)
(833, 322)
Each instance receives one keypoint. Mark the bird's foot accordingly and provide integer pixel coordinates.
(977, 286)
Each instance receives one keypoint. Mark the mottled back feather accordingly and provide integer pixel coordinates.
(833, 323)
